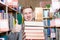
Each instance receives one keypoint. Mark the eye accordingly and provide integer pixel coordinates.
(25, 13)
(30, 12)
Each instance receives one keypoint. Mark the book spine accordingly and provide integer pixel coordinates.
(46, 13)
(48, 22)
(1, 14)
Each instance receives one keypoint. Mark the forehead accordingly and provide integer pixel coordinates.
(27, 10)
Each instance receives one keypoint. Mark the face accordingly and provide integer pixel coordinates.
(28, 14)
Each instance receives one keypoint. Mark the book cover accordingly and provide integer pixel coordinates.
(52, 23)
(45, 13)
(48, 32)
(58, 14)
(48, 22)
(45, 22)
(57, 22)
(45, 32)
(1, 14)
(5, 16)
(10, 21)
(34, 30)
(53, 34)
(4, 25)
(38, 14)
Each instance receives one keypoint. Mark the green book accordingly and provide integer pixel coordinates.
(19, 18)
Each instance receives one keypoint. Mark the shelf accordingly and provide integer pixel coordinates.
(46, 17)
(46, 8)
(3, 6)
(12, 10)
(51, 27)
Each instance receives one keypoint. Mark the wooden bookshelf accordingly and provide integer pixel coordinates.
(7, 10)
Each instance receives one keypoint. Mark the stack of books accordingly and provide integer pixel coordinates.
(34, 30)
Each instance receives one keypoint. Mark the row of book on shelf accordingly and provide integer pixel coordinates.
(52, 23)
(3, 15)
(46, 12)
(7, 21)
(50, 32)
(11, 3)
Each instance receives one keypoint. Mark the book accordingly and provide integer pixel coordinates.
(45, 32)
(5, 16)
(53, 34)
(58, 14)
(45, 13)
(59, 34)
(34, 23)
(1, 14)
(34, 30)
(57, 22)
(52, 23)
(38, 14)
(48, 32)
(47, 22)
(10, 17)
(4, 25)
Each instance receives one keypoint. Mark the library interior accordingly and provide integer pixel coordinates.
(29, 19)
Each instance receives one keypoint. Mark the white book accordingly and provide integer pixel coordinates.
(33, 23)
(28, 37)
(33, 28)
(4, 26)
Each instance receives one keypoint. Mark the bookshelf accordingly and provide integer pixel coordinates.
(53, 24)
(7, 14)
(49, 28)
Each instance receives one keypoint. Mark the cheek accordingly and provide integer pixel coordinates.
(25, 16)
(31, 15)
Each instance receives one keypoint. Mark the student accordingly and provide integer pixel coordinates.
(27, 13)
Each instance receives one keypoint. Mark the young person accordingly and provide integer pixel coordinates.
(28, 13)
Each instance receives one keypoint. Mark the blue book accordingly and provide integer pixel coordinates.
(48, 31)
(48, 22)
(2, 14)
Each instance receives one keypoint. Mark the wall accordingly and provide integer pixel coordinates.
(34, 3)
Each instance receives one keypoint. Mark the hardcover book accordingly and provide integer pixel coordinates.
(34, 30)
